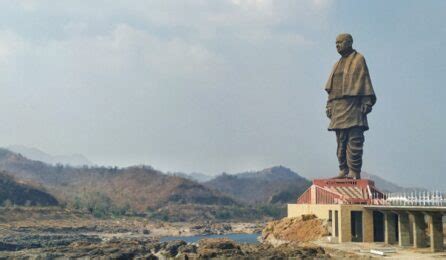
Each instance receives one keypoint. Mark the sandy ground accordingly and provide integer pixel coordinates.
(361, 248)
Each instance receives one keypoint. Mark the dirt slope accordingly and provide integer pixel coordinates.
(300, 229)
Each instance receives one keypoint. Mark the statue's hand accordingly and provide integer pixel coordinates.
(328, 111)
(365, 109)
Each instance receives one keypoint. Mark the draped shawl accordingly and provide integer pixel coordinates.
(356, 78)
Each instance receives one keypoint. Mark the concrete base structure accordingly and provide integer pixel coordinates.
(400, 225)
(412, 228)
(343, 223)
(357, 212)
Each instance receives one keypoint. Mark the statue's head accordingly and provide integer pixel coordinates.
(344, 42)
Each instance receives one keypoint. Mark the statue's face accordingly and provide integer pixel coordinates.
(342, 44)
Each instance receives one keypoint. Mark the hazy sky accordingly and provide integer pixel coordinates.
(213, 86)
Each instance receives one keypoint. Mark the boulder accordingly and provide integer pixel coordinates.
(170, 248)
(213, 247)
(188, 249)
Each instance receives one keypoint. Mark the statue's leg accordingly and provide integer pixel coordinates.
(354, 151)
(342, 139)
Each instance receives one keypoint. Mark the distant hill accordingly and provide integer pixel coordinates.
(139, 188)
(174, 196)
(272, 185)
(13, 192)
(144, 188)
(387, 186)
(38, 155)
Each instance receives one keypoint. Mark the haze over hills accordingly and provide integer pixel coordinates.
(387, 186)
(39, 155)
(272, 185)
(139, 187)
(173, 196)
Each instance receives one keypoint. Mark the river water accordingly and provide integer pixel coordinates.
(240, 238)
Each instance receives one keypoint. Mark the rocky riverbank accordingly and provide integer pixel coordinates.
(56, 220)
(124, 241)
(128, 238)
(50, 233)
(146, 248)
(72, 234)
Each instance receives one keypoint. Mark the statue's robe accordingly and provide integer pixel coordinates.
(349, 87)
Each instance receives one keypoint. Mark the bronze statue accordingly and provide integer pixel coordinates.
(350, 99)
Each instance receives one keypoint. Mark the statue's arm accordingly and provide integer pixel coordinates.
(328, 109)
(366, 104)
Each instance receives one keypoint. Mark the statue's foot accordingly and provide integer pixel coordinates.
(342, 174)
(354, 175)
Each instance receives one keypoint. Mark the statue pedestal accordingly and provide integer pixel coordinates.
(344, 182)
(341, 191)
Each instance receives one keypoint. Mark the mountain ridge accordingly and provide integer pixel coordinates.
(136, 187)
(144, 189)
(75, 160)
(16, 192)
(276, 184)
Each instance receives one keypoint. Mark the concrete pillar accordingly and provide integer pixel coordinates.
(389, 228)
(403, 229)
(313, 195)
(436, 232)
(367, 223)
(333, 224)
(419, 228)
(345, 224)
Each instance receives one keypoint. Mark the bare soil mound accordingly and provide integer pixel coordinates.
(305, 228)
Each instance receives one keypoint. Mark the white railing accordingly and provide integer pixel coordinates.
(377, 198)
(416, 198)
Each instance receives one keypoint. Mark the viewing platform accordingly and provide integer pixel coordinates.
(359, 212)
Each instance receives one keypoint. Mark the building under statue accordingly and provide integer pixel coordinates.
(358, 212)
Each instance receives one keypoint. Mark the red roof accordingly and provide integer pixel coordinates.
(341, 191)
